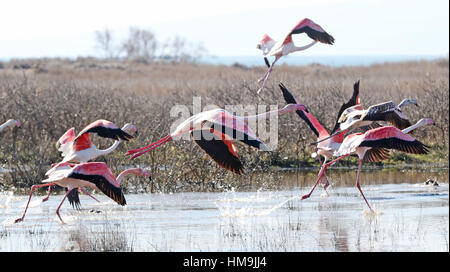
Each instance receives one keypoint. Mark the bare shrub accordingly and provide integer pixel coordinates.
(49, 103)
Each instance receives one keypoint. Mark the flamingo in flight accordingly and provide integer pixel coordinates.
(328, 147)
(9, 123)
(79, 148)
(214, 131)
(95, 175)
(389, 112)
(374, 145)
(287, 46)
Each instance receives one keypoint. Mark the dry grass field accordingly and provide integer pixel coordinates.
(53, 95)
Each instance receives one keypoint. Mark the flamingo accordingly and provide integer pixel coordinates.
(9, 123)
(79, 148)
(214, 131)
(95, 175)
(324, 148)
(287, 46)
(389, 112)
(374, 145)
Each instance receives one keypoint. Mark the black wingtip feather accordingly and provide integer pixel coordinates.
(74, 199)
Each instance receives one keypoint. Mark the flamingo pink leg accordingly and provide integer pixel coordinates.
(57, 210)
(163, 140)
(266, 76)
(149, 149)
(327, 183)
(359, 187)
(48, 194)
(29, 198)
(86, 193)
(322, 170)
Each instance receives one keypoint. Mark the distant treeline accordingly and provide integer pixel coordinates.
(143, 44)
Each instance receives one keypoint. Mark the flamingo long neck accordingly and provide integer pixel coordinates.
(109, 149)
(5, 125)
(128, 171)
(265, 114)
(418, 124)
(300, 48)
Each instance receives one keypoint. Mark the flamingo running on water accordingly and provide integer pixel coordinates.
(79, 148)
(374, 145)
(324, 148)
(9, 123)
(287, 46)
(214, 131)
(95, 175)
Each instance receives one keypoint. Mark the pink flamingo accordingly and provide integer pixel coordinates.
(214, 131)
(79, 148)
(388, 112)
(95, 175)
(328, 147)
(287, 46)
(9, 123)
(373, 145)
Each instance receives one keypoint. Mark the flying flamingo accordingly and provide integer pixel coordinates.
(79, 148)
(95, 175)
(214, 131)
(389, 112)
(9, 123)
(373, 145)
(287, 46)
(328, 147)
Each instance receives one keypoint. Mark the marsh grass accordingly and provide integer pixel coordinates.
(73, 93)
(108, 236)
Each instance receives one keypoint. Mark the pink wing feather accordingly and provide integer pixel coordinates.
(313, 30)
(97, 168)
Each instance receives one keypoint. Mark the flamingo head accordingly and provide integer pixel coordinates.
(426, 121)
(142, 172)
(12, 122)
(130, 128)
(265, 44)
(407, 101)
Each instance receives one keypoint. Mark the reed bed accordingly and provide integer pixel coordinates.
(50, 96)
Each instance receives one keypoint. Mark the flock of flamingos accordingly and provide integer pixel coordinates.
(215, 130)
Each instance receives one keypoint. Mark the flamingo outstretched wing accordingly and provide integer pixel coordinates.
(65, 141)
(313, 30)
(220, 148)
(354, 100)
(105, 129)
(388, 112)
(99, 174)
(393, 138)
(312, 122)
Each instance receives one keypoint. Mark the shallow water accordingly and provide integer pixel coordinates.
(409, 216)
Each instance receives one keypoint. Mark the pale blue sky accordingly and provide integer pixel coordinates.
(227, 28)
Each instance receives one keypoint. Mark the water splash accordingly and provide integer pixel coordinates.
(227, 205)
